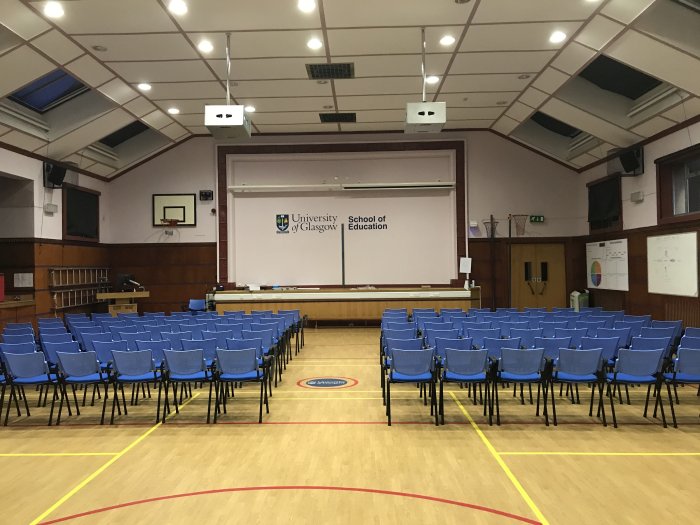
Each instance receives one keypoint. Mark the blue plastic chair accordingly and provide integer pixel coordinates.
(412, 366)
(676, 325)
(646, 319)
(51, 350)
(637, 367)
(527, 337)
(552, 345)
(623, 334)
(507, 326)
(548, 327)
(692, 331)
(136, 367)
(442, 344)
(26, 369)
(494, 346)
(240, 366)
(80, 368)
(88, 343)
(196, 306)
(580, 366)
(208, 346)
(521, 366)
(478, 335)
(157, 348)
(468, 367)
(608, 345)
(689, 342)
(389, 346)
(17, 348)
(104, 349)
(575, 334)
(634, 326)
(18, 338)
(591, 326)
(660, 332)
(185, 366)
(432, 334)
(686, 371)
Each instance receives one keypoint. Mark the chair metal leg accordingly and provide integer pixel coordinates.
(442, 403)
(114, 403)
(670, 403)
(261, 402)
(9, 403)
(388, 402)
(53, 401)
(554, 406)
(611, 395)
(104, 405)
(601, 403)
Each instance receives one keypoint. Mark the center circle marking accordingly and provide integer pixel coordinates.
(328, 383)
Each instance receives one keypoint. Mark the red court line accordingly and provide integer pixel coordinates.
(296, 487)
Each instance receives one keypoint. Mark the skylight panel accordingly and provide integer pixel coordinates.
(611, 75)
(554, 125)
(122, 135)
(49, 91)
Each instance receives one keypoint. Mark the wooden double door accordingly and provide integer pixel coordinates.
(538, 276)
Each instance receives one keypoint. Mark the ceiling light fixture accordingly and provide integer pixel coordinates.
(501, 102)
(447, 40)
(432, 79)
(173, 111)
(322, 82)
(249, 109)
(314, 44)
(177, 7)
(523, 77)
(53, 10)
(144, 86)
(99, 49)
(205, 46)
(306, 6)
(557, 37)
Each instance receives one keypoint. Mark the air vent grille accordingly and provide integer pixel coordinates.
(338, 117)
(330, 71)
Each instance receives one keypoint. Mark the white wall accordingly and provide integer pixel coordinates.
(16, 207)
(642, 214)
(188, 168)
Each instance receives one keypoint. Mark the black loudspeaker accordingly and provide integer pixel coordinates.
(53, 175)
(631, 160)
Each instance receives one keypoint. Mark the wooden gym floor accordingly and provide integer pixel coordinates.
(326, 455)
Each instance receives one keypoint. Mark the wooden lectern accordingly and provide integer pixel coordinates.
(122, 302)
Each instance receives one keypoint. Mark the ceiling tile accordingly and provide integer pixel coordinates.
(505, 125)
(141, 47)
(515, 37)
(289, 103)
(295, 117)
(625, 10)
(573, 57)
(684, 111)
(382, 86)
(101, 169)
(185, 90)
(280, 88)
(224, 15)
(3, 130)
(90, 71)
(191, 119)
(341, 13)
(139, 106)
(376, 102)
(474, 113)
(494, 11)
(157, 119)
(583, 160)
(170, 71)
(262, 44)
(57, 46)
(491, 82)
(385, 41)
(21, 19)
(372, 126)
(90, 132)
(652, 126)
(658, 60)
(108, 16)
(23, 140)
(519, 111)
(198, 130)
(599, 32)
(174, 131)
(298, 128)
(382, 115)
(265, 68)
(118, 91)
(550, 80)
(533, 97)
(396, 65)
(25, 64)
(468, 124)
(474, 100)
(500, 62)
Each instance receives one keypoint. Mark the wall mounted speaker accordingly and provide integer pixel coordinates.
(53, 175)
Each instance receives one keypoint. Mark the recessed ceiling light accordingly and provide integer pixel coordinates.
(447, 40)
(314, 43)
(205, 46)
(501, 102)
(465, 99)
(523, 77)
(173, 111)
(144, 86)
(249, 109)
(100, 49)
(177, 7)
(53, 10)
(328, 106)
(322, 82)
(432, 79)
(557, 37)
(307, 6)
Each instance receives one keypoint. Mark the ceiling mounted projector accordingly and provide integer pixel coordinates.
(425, 117)
(227, 122)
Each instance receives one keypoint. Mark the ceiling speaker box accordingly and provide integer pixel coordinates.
(227, 122)
(425, 117)
(53, 175)
(627, 162)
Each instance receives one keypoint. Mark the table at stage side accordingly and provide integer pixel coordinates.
(344, 304)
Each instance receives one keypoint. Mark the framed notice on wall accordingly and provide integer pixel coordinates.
(672, 264)
(607, 265)
(178, 208)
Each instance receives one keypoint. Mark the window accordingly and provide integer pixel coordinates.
(49, 91)
(605, 205)
(611, 75)
(81, 214)
(678, 190)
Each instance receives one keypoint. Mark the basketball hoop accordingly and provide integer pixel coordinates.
(171, 223)
(490, 225)
(520, 221)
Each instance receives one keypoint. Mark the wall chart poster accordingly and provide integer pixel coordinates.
(607, 266)
(672, 264)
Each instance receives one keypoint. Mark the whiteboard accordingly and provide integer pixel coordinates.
(672, 264)
(607, 265)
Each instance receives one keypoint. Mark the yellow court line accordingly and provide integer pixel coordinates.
(521, 490)
(55, 454)
(613, 454)
(104, 467)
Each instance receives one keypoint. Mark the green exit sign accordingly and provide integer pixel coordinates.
(536, 218)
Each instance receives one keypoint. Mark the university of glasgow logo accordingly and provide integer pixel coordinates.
(282, 223)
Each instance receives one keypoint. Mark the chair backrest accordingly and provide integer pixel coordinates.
(78, 364)
(471, 324)
(527, 336)
(591, 326)
(608, 345)
(51, 350)
(570, 320)
(89, 340)
(531, 310)
(18, 338)
(534, 321)
(688, 361)
(174, 338)
(26, 365)
(133, 363)
(507, 326)
(477, 335)
(220, 336)
(658, 331)
(442, 344)
(130, 339)
(236, 362)
(402, 344)
(692, 331)
(650, 343)
(552, 345)
(156, 347)
(608, 320)
(185, 361)
(207, 345)
(391, 325)
(104, 349)
(196, 329)
(242, 344)
(623, 334)
(493, 346)
(548, 327)
(432, 334)
(265, 335)
(676, 325)
(409, 333)
(689, 342)
(51, 329)
(521, 361)
(646, 319)
(638, 362)
(197, 305)
(17, 348)
(634, 326)
(465, 362)
(575, 334)
(579, 362)
(55, 338)
(436, 324)
(412, 362)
